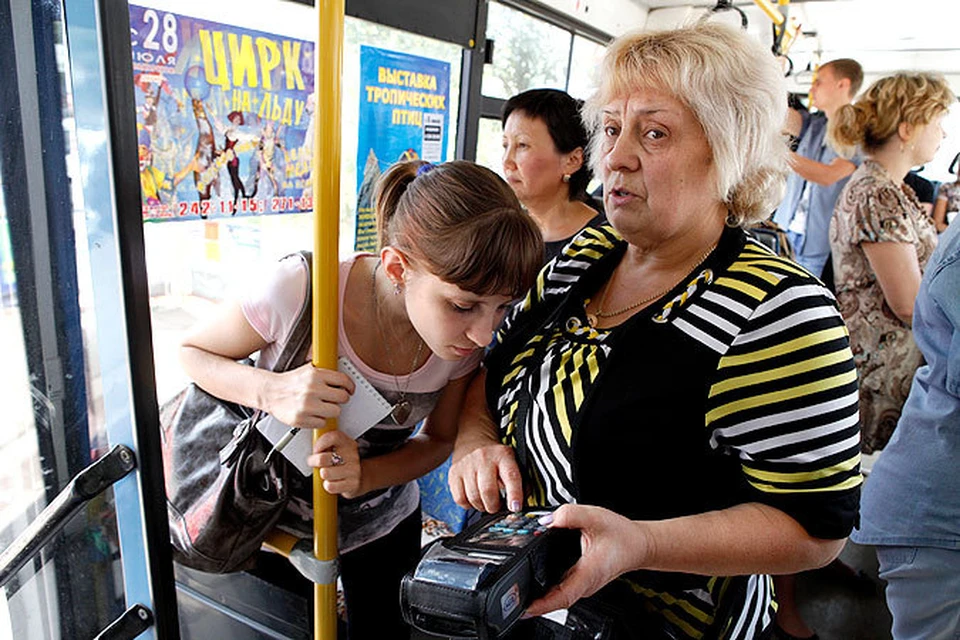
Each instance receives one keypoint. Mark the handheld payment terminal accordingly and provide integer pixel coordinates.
(478, 583)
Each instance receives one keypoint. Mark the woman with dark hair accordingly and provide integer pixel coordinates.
(456, 249)
(545, 161)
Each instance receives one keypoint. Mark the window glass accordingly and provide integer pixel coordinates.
(490, 144)
(528, 53)
(584, 68)
(192, 265)
(54, 376)
(361, 32)
(22, 477)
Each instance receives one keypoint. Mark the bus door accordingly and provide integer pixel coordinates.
(77, 373)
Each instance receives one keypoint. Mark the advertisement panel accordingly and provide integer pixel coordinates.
(404, 115)
(225, 118)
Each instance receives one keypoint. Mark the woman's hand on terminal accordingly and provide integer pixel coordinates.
(478, 474)
(307, 396)
(611, 545)
(337, 458)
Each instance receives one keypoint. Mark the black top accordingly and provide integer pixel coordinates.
(737, 386)
(921, 186)
(552, 248)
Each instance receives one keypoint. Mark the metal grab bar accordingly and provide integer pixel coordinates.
(131, 624)
(87, 484)
(726, 5)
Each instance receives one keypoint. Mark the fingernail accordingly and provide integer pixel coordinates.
(515, 505)
(525, 616)
(545, 520)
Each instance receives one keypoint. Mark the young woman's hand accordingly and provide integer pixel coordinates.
(336, 456)
(307, 396)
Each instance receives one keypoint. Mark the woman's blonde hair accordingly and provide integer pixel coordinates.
(912, 98)
(735, 89)
(462, 222)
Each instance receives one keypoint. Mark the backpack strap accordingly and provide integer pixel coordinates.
(295, 349)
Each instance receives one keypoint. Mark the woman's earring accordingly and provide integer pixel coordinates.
(566, 177)
(396, 288)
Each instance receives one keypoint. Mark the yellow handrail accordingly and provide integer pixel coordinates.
(772, 12)
(326, 210)
(780, 21)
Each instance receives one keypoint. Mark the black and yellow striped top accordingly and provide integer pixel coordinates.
(737, 386)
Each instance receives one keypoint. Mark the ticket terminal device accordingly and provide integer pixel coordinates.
(478, 583)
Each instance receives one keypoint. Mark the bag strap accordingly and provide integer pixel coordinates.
(294, 351)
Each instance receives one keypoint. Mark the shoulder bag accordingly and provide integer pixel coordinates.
(223, 495)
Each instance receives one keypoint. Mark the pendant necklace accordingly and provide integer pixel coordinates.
(401, 408)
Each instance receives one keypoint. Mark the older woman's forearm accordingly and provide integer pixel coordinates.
(482, 467)
(475, 426)
(744, 539)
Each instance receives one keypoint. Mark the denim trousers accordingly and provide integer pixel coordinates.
(923, 591)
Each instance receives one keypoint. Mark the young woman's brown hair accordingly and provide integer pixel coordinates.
(462, 222)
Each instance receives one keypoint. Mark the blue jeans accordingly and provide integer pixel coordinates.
(923, 591)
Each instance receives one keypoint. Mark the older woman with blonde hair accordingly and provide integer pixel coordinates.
(685, 397)
(881, 239)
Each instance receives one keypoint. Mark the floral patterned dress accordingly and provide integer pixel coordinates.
(951, 193)
(874, 208)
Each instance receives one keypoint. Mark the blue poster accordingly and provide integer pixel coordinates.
(224, 118)
(404, 115)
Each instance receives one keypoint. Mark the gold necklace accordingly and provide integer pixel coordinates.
(401, 408)
(593, 319)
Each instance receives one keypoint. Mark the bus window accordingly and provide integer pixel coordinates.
(583, 67)
(490, 144)
(194, 264)
(528, 53)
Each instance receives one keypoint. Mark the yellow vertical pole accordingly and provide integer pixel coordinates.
(326, 213)
(772, 12)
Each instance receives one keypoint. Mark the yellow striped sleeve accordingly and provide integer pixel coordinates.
(803, 476)
(779, 373)
(743, 287)
(810, 388)
(790, 346)
(770, 278)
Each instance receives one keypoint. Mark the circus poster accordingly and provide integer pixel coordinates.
(225, 118)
